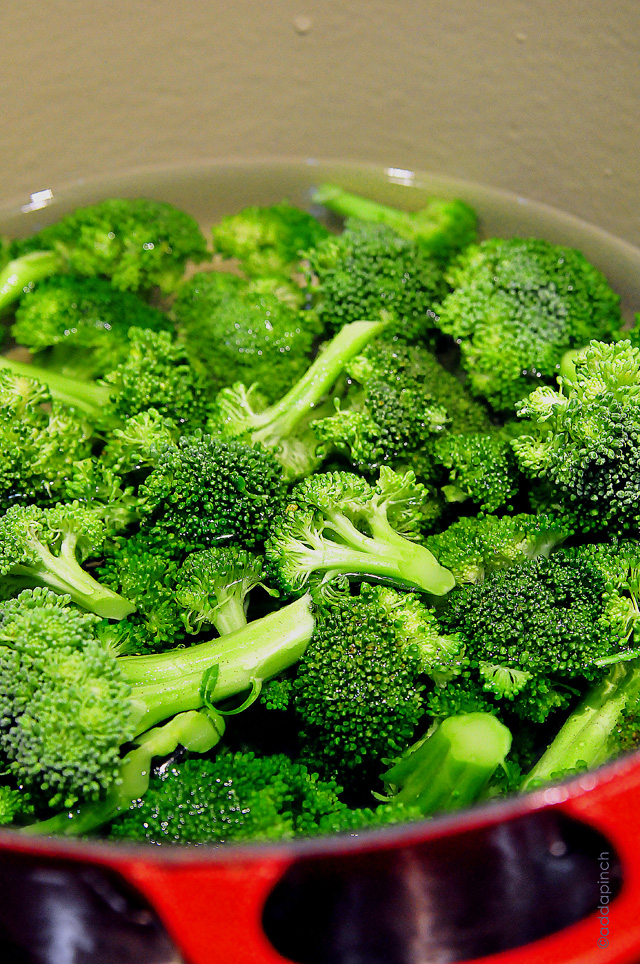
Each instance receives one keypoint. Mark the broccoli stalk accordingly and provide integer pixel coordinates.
(20, 274)
(42, 547)
(88, 397)
(441, 226)
(276, 427)
(596, 730)
(450, 768)
(186, 679)
(197, 731)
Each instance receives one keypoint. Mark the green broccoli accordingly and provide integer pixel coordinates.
(79, 326)
(475, 546)
(46, 546)
(517, 304)
(40, 440)
(441, 227)
(267, 240)
(369, 272)
(240, 335)
(582, 444)
(534, 631)
(605, 724)
(204, 490)
(451, 767)
(481, 468)
(137, 243)
(400, 403)
(231, 798)
(359, 688)
(284, 426)
(213, 587)
(340, 523)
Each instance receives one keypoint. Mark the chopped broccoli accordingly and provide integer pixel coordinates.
(79, 326)
(481, 468)
(359, 687)
(213, 587)
(400, 403)
(240, 335)
(369, 272)
(281, 427)
(583, 441)
(267, 240)
(230, 798)
(137, 243)
(441, 227)
(46, 546)
(204, 490)
(339, 523)
(516, 306)
(451, 767)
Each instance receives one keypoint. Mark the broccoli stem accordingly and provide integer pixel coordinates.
(589, 736)
(85, 396)
(185, 679)
(353, 206)
(280, 420)
(229, 615)
(63, 574)
(195, 731)
(18, 275)
(388, 555)
(450, 769)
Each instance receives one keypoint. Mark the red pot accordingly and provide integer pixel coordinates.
(548, 878)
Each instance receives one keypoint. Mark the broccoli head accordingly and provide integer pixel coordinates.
(79, 326)
(267, 240)
(240, 335)
(369, 272)
(518, 304)
(137, 243)
(582, 447)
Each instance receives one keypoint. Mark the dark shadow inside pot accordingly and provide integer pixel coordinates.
(56, 913)
(445, 900)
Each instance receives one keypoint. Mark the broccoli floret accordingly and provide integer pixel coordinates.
(233, 797)
(40, 440)
(604, 725)
(451, 767)
(144, 567)
(244, 336)
(137, 444)
(284, 426)
(481, 468)
(114, 699)
(339, 523)
(441, 227)
(358, 690)
(517, 305)
(475, 546)
(583, 440)
(213, 587)
(137, 243)
(204, 490)
(400, 403)
(79, 326)
(158, 374)
(267, 240)
(64, 710)
(46, 546)
(369, 272)
(534, 630)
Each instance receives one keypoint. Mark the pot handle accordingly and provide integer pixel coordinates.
(214, 911)
(609, 802)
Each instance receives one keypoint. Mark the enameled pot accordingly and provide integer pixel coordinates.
(552, 877)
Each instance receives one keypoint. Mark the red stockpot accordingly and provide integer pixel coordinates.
(212, 900)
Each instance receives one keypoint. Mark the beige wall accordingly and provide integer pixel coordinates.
(540, 97)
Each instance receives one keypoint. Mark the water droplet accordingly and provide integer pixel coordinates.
(302, 24)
